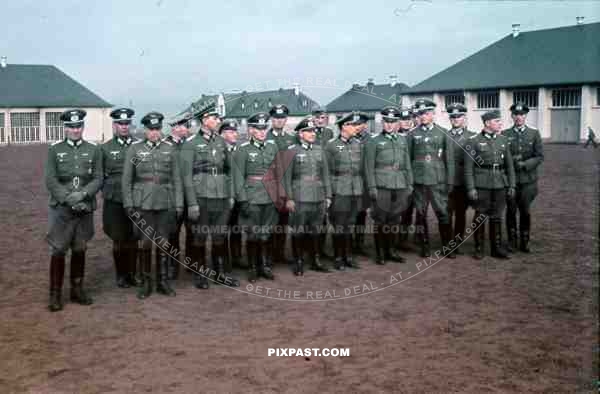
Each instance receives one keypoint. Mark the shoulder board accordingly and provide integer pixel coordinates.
(136, 142)
(56, 143)
(374, 136)
(191, 137)
(91, 143)
(332, 139)
(532, 128)
(245, 143)
(270, 142)
(473, 136)
(291, 146)
(167, 142)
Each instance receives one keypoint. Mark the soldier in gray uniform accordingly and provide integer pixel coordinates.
(257, 185)
(489, 179)
(153, 199)
(407, 126)
(229, 131)
(308, 195)
(117, 225)
(344, 156)
(457, 199)
(527, 152)
(363, 135)
(73, 177)
(433, 167)
(179, 133)
(389, 179)
(207, 166)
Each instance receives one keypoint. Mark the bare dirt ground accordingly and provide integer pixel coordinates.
(529, 324)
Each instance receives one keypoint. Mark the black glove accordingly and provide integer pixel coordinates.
(74, 198)
(81, 207)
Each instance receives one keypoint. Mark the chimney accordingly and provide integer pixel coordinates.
(516, 27)
(370, 82)
(355, 86)
(3, 62)
(579, 20)
(296, 89)
(393, 80)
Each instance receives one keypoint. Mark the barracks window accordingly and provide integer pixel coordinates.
(566, 97)
(54, 127)
(488, 100)
(527, 97)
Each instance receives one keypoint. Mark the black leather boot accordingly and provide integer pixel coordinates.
(479, 236)
(525, 228)
(511, 229)
(338, 250)
(323, 244)
(349, 260)
(391, 254)
(498, 250)
(459, 230)
(172, 263)
(266, 268)
(423, 235)
(198, 255)
(162, 275)
(145, 289)
(313, 241)
(78, 294)
(298, 254)
(252, 256)
(57, 273)
(130, 258)
(379, 245)
(219, 258)
(119, 257)
(446, 235)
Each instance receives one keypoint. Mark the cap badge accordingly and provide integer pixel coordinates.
(279, 111)
(153, 121)
(74, 118)
(123, 115)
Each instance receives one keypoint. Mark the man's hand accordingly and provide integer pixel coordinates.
(511, 193)
(80, 207)
(327, 203)
(179, 213)
(130, 211)
(231, 202)
(290, 205)
(518, 157)
(194, 213)
(74, 198)
(520, 165)
(373, 194)
(472, 194)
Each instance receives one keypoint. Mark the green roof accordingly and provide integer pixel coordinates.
(369, 97)
(244, 104)
(559, 56)
(25, 85)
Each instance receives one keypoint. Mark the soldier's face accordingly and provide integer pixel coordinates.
(416, 121)
(153, 134)
(258, 134)
(74, 132)
(494, 125)
(426, 117)
(278, 123)
(308, 136)
(180, 131)
(405, 124)
(231, 136)
(211, 122)
(390, 127)
(321, 120)
(457, 122)
(121, 129)
(519, 119)
(349, 130)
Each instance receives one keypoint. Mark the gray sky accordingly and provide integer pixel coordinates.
(162, 54)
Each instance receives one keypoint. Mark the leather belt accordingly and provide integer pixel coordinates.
(395, 167)
(314, 178)
(152, 179)
(495, 167)
(254, 177)
(348, 172)
(214, 171)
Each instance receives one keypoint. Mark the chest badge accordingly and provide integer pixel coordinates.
(61, 155)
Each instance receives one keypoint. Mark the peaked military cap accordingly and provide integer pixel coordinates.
(122, 115)
(519, 109)
(259, 120)
(354, 117)
(424, 105)
(183, 119)
(209, 109)
(306, 124)
(456, 110)
(318, 112)
(279, 111)
(153, 120)
(405, 113)
(390, 113)
(495, 114)
(229, 124)
(73, 117)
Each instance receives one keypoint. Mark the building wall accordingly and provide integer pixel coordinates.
(97, 123)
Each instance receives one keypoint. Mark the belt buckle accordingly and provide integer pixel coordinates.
(495, 166)
(155, 178)
(213, 171)
(428, 157)
(75, 182)
(396, 167)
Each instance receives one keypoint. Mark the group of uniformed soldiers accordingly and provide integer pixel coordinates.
(305, 185)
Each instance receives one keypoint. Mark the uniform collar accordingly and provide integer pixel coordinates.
(306, 145)
(231, 147)
(151, 144)
(124, 140)
(277, 133)
(76, 143)
(207, 134)
(458, 131)
(489, 136)
(427, 127)
(390, 136)
(345, 141)
(258, 144)
(174, 140)
(520, 129)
